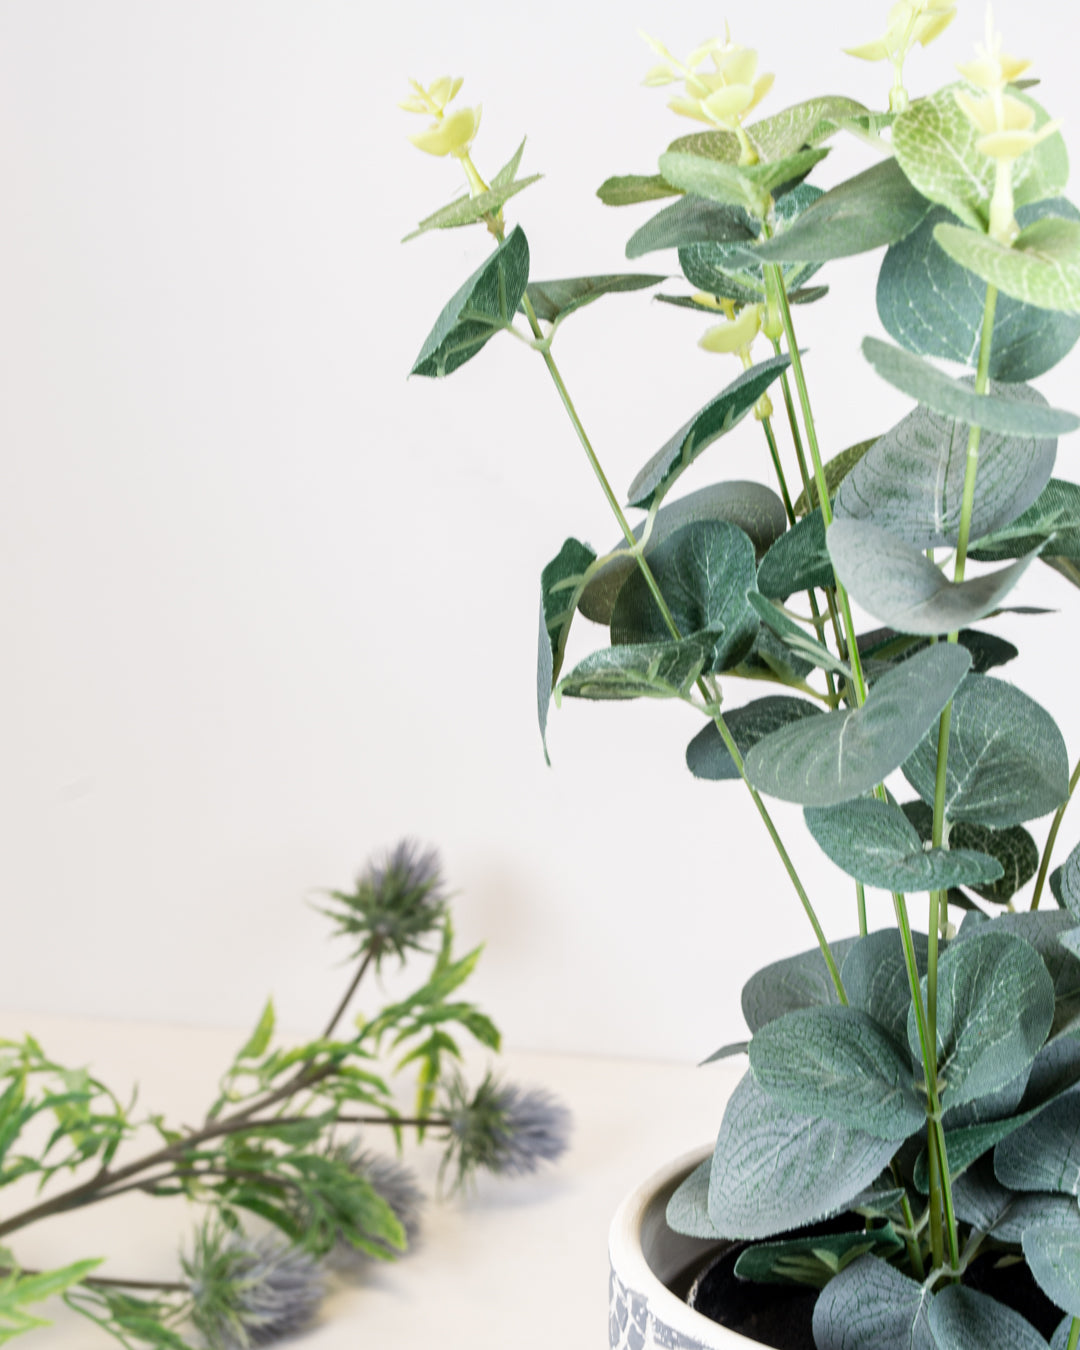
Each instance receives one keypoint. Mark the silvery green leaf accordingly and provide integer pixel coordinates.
(1007, 760)
(727, 271)
(806, 123)
(837, 1063)
(754, 508)
(798, 561)
(716, 419)
(1054, 519)
(982, 1201)
(553, 300)
(1053, 1257)
(691, 220)
(838, 756)
(873, 1306)
(918, 378)
(1043, 930)
(1014, 849)
(629, 189)
(814, 1260)
(774, 1171)
(704, 571)
(836, 470)
(933, 306)
(911, 482)
(648, 670)
(1040, 268)
(885, 645)
(726, 1052)
(771, 659)
(896, 583)
(874, 842)
(707, 756)
(1065, 883)
(935, 146)
(964, 1319)
(484, 304)
(801, 981)
(1044, 1153)
(795, 635)
(875, 976)
(688, 1209)
(876, 207)
(469, 210)
(995, 1008)
(560, 583)
(747, 187)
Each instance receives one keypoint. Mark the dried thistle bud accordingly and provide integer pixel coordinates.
(501, 1127)
(399, 901)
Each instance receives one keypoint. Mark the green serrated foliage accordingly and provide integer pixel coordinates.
(993, 412)
(650, 670)
(704, 571)
(837, 757)
(1053, 521)
(561, 583)
(691, 220)
(896, 583)
(836, 470)
(933, 306)
(748, 188)
(1041, 268)
(1014, 849)
(1007, 761)
(935, 145)
(554, 300)
(1065, 883)
(708, 757)
(801, 981)
(814, 1261)
(714, 420)
(873, 1306)
(630, 189)
(874, 974)
(472, 210)
(874, 842)
(964, 1319)
(485, 304)
(798, 561)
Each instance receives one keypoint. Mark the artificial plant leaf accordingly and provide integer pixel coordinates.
(715, 419)
(794, 635)
(911, 482)
(690, 220)
(982, 1201)
(629, 189)
(933, 306)
(1013, 848)
(1007, 760)
(774, 1171)
(1065, 883)
(1044, 930)
(703, 571)
(1041, 268)
(560, 585)
(255, 1046)
(964, 1319)
(553, 300)
(648, 670)
(935, 146)
(838, 756)
(884, 646)
(838, 1064)
(779, 135)
(754, 508)
(896, 583)
(873, 1306)
(876, 979)
(874, 842)
(688, 1209)
(1053, 1257)
(1053, 520)
(995, 1007)
(747, 187)
(801, 981)
(798, 561)
(878, 206)
(707, 756)
(771, 659)
(836, 470)
(1044, 1153)
(919, 379)
(484, 304)
(469, 210)
(814, 1260)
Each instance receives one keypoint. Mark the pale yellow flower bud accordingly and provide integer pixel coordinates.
(451, 135)
(719, 97)
(736, 335)
(910, 21)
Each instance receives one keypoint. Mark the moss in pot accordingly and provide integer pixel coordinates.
(920, 1082)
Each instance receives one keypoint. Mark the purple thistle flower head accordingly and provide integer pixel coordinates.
(398, 902)
(501, 1127)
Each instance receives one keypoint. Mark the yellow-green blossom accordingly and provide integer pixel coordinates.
(448, 134)
(720, 95)
(736, 336)
(910, 21)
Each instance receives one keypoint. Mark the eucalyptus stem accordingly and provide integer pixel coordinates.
(914, 1251)
(1074, 1335)
(1051, 838)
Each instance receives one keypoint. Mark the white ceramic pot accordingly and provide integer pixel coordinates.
(645, 1254)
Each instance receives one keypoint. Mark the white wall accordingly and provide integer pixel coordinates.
(265, 606)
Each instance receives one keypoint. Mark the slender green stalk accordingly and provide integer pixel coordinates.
(914, 1251)
(1051, 838)
(1074, 1335)
(860, 901)
(937, 1241)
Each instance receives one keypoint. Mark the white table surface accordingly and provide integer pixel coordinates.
(519, 1263)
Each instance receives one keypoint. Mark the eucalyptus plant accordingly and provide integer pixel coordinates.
(277, 1145)
(920, 1084)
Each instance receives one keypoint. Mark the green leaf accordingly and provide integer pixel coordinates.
(754, 508)
(629, 189)
(690, 220)
(688, 1209)
(878, 206)
(484, 304)
(874, 842)
(1044, 1153)
(801, 981)
(774, 1171)
(746, 187)
(471, 210)
(561, 583)
(813, 1260)
(1014, 849)
(508, 172)
(704, 571)
(556, 299)
(798, 561)
(1007, 761)
(837, 1063)
(781, 134)
(1042, 268)
(933, 306)
(935, 145)
(255, 1047)
(896, 583)
(917, 378)
(651, 670)
(1053, 1257)
(875, 976)
(838, 756)
(707, 756)
(836, 470)
(34, 1288)
(980, 1200)
(995, 1007)
(714, 420)
(1065, 883)
(794, 636)
(873, 1306)
(911, 482)
(1053, 520)
(964, 1319)
(1044, 929)
(885, 646)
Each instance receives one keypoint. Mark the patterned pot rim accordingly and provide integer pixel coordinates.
(644, 1253)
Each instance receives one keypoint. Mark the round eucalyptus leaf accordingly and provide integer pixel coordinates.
(707, 756)
(640, 670)
(964, 1319)
(871, 1305)
(1044, 1153)
(1053, 519)
(687, 221)
(1065, 883)
(797, 561)
(1043, 929)
(875, 976)
(801, 981)
(688, 1209)
(1053, 1257)
(1013, 848)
